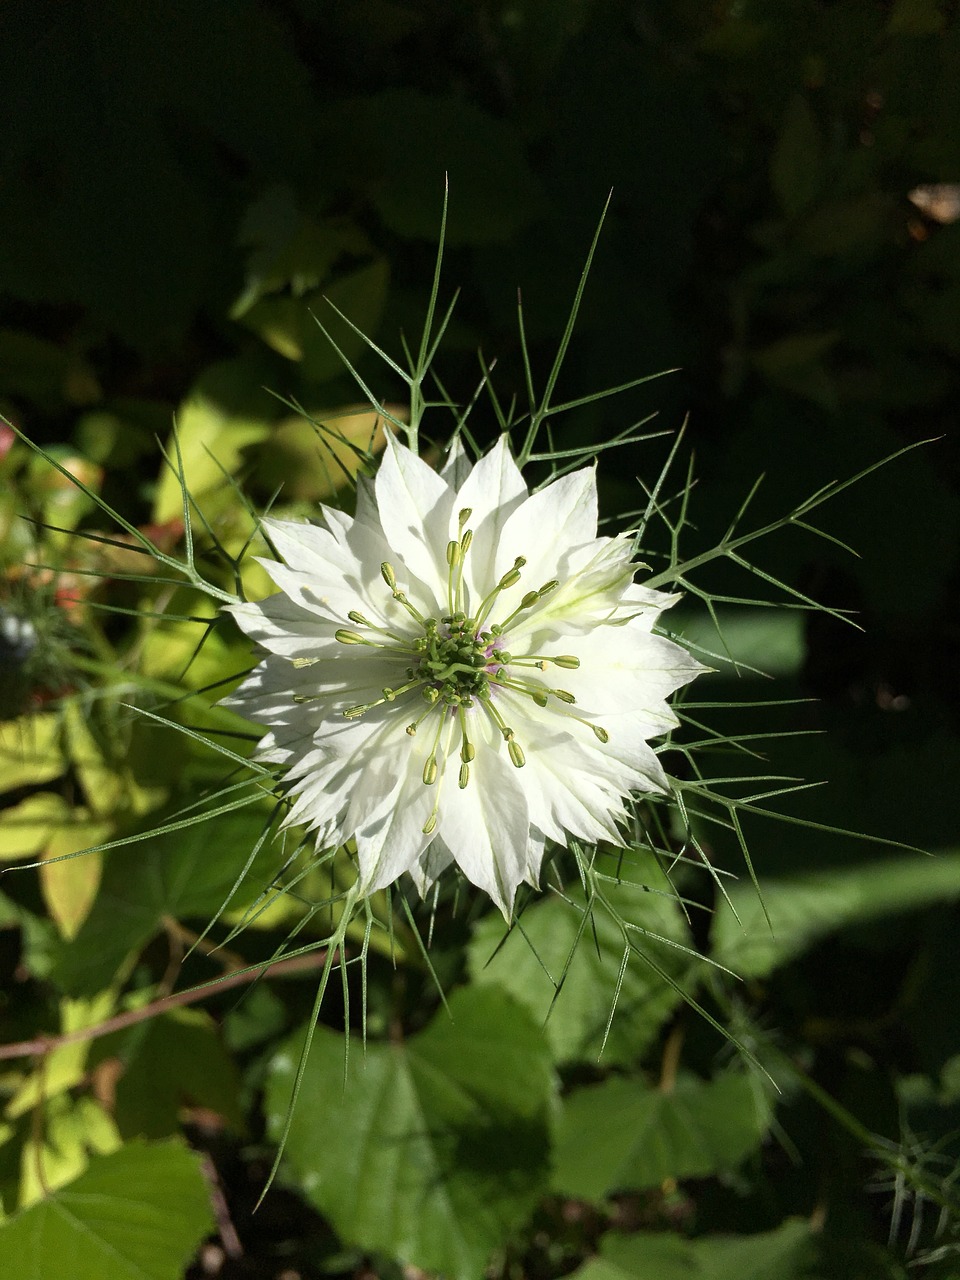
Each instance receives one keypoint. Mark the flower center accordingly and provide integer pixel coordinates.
(457, 661)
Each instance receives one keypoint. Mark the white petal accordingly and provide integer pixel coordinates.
(394, 841)
(415, 506)
(543, 529)
(457, 466)
(493, 491)
(486, 824)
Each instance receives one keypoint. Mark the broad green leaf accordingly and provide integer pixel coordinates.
(30, 751)
(622, 1134)
(167, 1062)
(435, 1148)
(138, 1214)
(531, 962)
(186, 873)
(803, 909)
(784, 1254)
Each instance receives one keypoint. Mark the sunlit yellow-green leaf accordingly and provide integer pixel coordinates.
(73, 1130)
(26, 828)
(70, 887)
(212, 433)
(311, 462)
(30, 751)
(102, 783)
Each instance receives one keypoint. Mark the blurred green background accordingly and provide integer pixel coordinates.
(182, 184)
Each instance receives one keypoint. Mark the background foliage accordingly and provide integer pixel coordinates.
(180, 188)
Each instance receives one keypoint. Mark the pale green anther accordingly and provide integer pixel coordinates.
(567, 661)
(453, 553)
(349, 637)
(464, 775)
(563, 695)
(539, 698)
(509, 579)
(412, 730)
(354, 713)
(430, 823)
(600, 732)
(465, 542)
(305, 662)
(548, 587)
(356, 616)
(430, 771)
(301, 698)
(390, 694)
(389, 577)
(516, 754)
(530, 599)
(464, 516)
(467, 752)
(520, 562)
(507, 733)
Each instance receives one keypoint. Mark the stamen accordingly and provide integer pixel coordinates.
(464, 775)
(542, 660)
(509, 579)
(528, 601)
(356, 616)
(516, 754)
(352, 637)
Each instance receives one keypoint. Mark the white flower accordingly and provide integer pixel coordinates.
(460, 672)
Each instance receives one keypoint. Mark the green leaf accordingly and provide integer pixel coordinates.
(400, 144)
(434, 1149)
(622, 1134)
(803, 909)
(168, 1061)
(30, 751)
(531, 961)
(785, 1253)
(185, 873)
(138, 1214)
(26, 828)
(769, 640)
(212, 430)
(795, 163)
